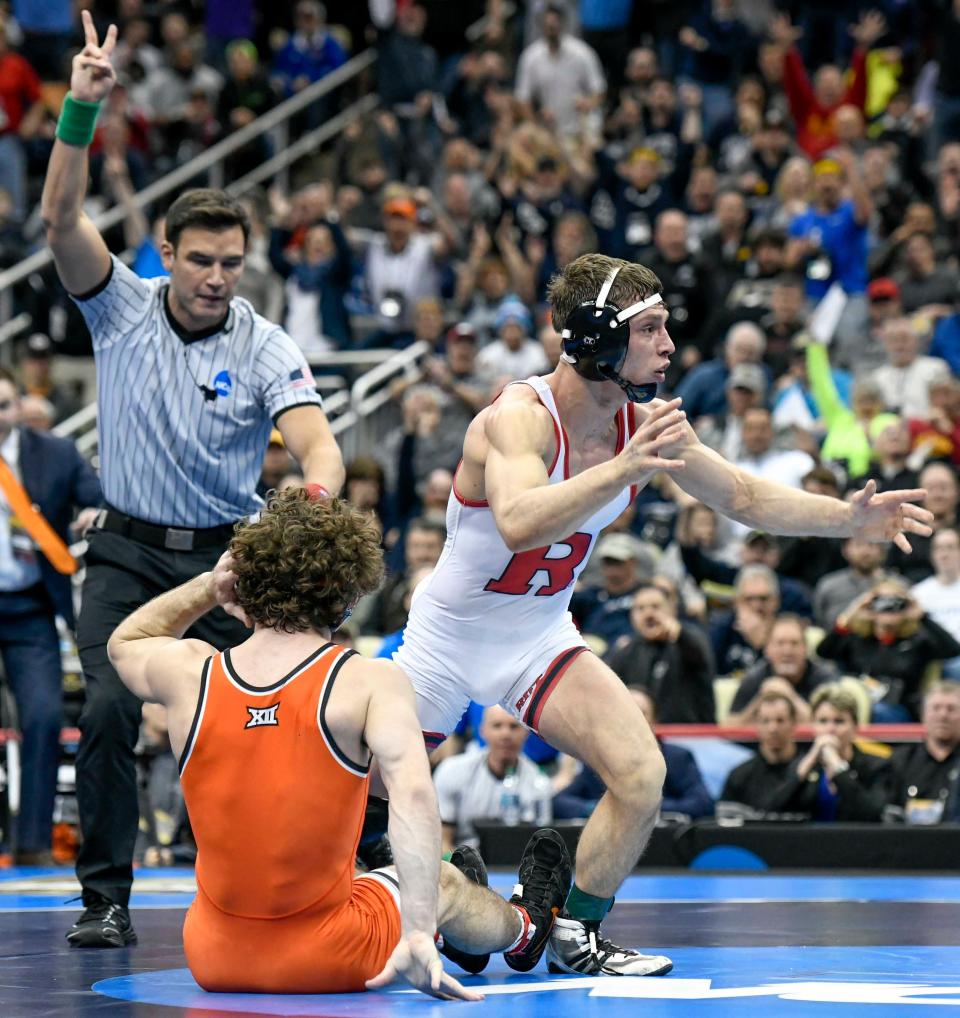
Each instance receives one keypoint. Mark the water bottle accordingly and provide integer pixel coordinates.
(510, 798)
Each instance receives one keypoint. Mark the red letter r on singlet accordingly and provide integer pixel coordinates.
(517, 578)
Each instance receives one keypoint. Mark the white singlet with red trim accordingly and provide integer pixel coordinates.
(488, 623)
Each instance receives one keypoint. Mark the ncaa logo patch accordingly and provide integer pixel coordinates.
(223, 383)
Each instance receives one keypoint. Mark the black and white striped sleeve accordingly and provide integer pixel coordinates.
(115, 308)
(283, 375)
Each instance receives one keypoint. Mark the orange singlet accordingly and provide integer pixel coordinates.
(276, 809)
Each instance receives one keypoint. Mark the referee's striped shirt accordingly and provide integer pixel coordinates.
(168, 453)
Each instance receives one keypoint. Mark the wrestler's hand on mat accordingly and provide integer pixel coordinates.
(889, 516)
(225, 588)
(416, 959)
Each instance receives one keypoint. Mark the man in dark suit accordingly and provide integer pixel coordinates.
(33, 592)
(684, 790)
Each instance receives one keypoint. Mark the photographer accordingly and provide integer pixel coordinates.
(401, 266)
(886, 635)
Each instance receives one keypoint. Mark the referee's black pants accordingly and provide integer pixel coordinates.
(121, 575)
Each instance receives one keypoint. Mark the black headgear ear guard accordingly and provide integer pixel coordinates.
(595, 338)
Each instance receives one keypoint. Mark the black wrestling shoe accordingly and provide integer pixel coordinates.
(375, 855)
(578, 946)
(545, 876)
(468, 861)
(103, 924)
(374, 851)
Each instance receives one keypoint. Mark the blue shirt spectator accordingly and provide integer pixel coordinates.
(704, 388)
(946, 342)
(310, 53)
(838, 235)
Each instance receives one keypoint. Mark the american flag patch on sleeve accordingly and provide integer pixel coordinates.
(300, 378)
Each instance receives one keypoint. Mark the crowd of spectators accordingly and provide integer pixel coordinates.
(790, 172)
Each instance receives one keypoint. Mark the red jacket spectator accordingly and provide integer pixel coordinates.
(19, 89)
(814, 118)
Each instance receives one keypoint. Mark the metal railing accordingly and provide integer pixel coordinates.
(14, 327)
(214, 157)
(377, 412)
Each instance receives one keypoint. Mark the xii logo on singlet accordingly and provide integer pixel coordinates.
(260, 716)
(518, 577)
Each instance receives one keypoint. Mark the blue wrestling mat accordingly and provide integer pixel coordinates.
(742, 945)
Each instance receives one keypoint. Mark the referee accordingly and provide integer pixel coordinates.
(190, 382)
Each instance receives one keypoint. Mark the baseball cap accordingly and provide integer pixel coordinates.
(620, 547)
(462, 330)
(747, 376)
(760, 537)
(39, 345)
(513, 310)
(822, 166)
(883, 288)
(644, 152)
(403, 207)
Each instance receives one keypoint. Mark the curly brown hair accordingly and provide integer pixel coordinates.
(580, 281)
(305, 563)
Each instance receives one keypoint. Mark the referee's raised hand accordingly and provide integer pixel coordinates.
(93, 77)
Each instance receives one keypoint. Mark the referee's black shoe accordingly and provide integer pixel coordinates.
(546, 873)
(468, 861)
(104, 923)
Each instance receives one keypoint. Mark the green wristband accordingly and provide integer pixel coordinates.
(78, 121)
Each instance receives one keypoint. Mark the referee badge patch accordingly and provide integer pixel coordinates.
(223, 383)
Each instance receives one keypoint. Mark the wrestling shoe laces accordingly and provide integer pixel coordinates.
(577, 945)
(545, 876)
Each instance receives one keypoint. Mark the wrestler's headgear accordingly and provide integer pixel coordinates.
(595, 337)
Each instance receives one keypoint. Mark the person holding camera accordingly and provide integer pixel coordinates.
(402, 265)
(886, 635)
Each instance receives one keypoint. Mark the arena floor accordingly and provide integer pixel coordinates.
(791, 946)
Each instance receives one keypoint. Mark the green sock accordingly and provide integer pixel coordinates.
(581, 905)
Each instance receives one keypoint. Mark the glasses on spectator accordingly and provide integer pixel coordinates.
(756, 597)
(5, 404)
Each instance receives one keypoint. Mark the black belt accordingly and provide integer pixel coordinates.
(157, 536)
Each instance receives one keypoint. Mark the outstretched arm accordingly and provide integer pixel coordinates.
(81, 256)
(779, 509)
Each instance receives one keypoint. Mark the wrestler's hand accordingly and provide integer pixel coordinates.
(92, 76)
(225, 588)
(889, 516)
(664, 426)
(416, 959)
